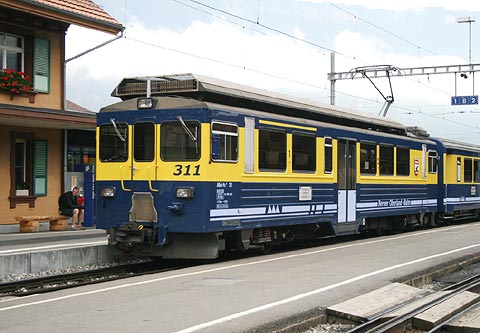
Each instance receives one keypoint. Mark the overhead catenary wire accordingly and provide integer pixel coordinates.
(242, 67)
(304, 40)
(382, 29)
(285, 78)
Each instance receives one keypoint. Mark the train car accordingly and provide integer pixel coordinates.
(459, 179)
(190, 166)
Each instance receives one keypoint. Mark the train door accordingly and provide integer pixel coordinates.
(144, 171)
(347, 194)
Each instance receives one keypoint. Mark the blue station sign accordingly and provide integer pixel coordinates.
(464, 100)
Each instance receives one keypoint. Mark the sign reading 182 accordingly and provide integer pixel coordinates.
(464, 100)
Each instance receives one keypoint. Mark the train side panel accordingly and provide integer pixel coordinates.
(189, 179)
(462, 183)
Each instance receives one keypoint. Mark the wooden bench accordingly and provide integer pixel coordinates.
(30, 223)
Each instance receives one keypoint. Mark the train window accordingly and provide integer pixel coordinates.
(113, 142)
(224, 142)
(476, 171)
(386, 160)
(368, 158)
(180, 140)
(467, 170)
(304, 152)
(144, 142)
(328, 158)
(459, 169)
(403, 161)
(272, 150)
(432, 162)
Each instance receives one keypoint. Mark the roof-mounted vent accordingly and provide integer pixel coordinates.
(137, 87)
(417, 131)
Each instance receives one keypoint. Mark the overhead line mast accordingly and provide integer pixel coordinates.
(389, 71)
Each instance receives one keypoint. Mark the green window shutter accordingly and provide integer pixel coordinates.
(40, 168)
(41, 65)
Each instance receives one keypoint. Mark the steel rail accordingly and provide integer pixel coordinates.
(56, 282)
(377, 325)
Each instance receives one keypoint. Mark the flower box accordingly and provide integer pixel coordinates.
(31, 95)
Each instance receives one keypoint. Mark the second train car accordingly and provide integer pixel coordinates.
(190, 166)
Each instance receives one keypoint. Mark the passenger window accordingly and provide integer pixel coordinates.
(144, 142)
(328, 156)
(476, 171)
(467, 170)
(386, 160)
(180, 141)
(272, 150)
(224, 142)
(403, 161)
(304, 152)
(113, 142)
(432, 162)
(368, 158)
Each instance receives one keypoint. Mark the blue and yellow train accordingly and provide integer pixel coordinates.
(189, 167)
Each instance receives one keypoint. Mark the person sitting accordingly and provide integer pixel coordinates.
(67, 206)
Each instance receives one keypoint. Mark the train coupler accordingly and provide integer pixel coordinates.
(129, 233)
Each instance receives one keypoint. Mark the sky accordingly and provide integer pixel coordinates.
(285, 46)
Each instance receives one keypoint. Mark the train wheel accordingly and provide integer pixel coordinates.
(267, 248)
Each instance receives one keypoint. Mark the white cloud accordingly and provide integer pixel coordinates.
(265, 60)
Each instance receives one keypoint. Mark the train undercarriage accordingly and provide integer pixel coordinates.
(139, 240)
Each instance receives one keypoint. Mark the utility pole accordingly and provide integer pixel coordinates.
(332, 82)
(469, 20)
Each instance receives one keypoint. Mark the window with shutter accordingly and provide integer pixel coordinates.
(41, 65)
(40, 168)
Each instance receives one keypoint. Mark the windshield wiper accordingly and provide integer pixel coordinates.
(112, 120)
(187, 130)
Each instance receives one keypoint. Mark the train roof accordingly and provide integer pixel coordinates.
(452, 145)
(217, 91)
(182, 103)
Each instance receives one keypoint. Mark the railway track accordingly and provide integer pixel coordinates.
(403, 323)
(51, 283)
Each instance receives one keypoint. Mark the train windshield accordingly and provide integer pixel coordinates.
(113, 142)
(180, 141)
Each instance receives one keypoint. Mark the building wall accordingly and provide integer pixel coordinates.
(47, 205)
(54, 99)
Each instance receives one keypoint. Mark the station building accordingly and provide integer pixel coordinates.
(42, 137)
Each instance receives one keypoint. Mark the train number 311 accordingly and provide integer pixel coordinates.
(187, 170)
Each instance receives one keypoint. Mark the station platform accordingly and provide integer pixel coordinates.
(23, 253)
(246, 294)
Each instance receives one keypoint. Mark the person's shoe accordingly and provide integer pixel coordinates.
(81, 227)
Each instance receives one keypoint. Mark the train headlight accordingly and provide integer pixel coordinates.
(184, 192)
(144, 103)
(107, 192)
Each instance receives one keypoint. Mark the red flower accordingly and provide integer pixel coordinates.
(15, 82)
